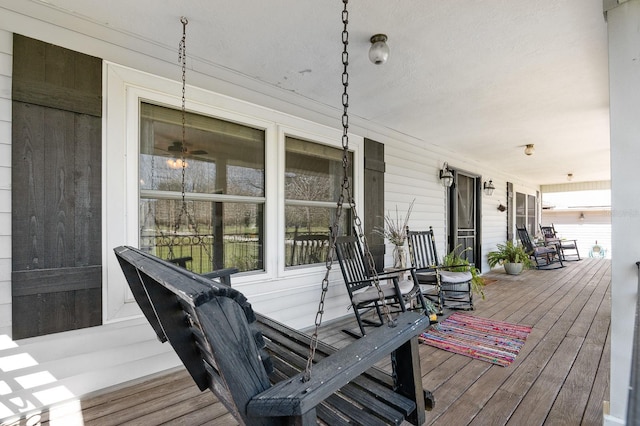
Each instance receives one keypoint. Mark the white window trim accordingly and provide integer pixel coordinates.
(124, 88)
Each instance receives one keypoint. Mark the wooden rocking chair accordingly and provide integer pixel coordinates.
(449, 286)
(564, 247)
(253, 363)
(362, 291)
(546, 257)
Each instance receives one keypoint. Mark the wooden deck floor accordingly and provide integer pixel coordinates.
(561, 377)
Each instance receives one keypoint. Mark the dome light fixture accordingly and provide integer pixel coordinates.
(379, 51)
(529, 149)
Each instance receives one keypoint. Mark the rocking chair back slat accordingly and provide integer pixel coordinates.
(423, 249)
(351, 257)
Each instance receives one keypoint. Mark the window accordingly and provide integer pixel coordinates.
(313, 179)
(222, 182)
(526, 212)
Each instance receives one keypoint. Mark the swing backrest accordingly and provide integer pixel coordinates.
(209, 325)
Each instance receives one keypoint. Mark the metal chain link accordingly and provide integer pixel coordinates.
(345, 189)
(182, 58)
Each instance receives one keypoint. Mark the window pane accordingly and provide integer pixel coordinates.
(313, 181)
(307, 233)
(211, 235)
(313, 172)
(531, 215)
(221, 157)
(466, 208)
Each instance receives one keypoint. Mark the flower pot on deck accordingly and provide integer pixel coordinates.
(513, 268)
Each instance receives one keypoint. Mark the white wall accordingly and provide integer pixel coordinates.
(624, 92)
(6, 48)
(596, 226)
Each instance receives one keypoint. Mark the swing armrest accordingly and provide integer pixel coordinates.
(293, 397)
(223, 274)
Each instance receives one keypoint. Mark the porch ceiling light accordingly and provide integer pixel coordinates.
(529, 149)
(488, 187)
(379, 51)
(446, 177)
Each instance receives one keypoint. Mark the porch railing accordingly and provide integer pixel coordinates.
(633, 405)
(202, 252)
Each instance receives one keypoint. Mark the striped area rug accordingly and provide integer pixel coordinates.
(497, 342)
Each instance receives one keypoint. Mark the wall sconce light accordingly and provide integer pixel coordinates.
(529, 149)
(581, 217)
(446, 177)
(379, 51)
(488, 187)
(569, 177)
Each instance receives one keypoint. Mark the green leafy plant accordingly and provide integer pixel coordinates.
(456, 263)
(509, 253)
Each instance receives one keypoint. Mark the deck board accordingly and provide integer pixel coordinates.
(561, 375)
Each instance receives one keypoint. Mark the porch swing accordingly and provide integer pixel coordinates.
(257, 366)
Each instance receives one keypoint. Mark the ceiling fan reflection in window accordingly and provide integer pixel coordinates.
(179, 156)
(176, 146)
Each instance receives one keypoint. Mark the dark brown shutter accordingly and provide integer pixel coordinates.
(56, 189)
(374, 168)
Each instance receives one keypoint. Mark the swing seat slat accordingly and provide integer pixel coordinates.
(238, 354)
(295, 397)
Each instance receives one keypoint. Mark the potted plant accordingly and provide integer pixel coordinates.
(512, 257)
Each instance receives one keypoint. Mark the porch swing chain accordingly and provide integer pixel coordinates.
(345, 187)
(182, 58)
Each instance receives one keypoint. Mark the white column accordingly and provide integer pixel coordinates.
(6, 61)
(623, 26)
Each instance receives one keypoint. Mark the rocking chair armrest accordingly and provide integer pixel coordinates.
(293, 397)
(380, 277)
(223, 274)
(390, 273)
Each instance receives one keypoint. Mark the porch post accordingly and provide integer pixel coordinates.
(624, 90)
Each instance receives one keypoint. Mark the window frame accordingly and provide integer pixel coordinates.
(124, 89)
(159, 194)
(328, 137)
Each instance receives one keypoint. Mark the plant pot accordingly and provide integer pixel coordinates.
(513, 268)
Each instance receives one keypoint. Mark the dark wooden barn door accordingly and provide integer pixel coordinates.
(374, 168)
(56, 189)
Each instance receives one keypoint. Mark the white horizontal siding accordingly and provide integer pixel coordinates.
(6, 49)
(595, 227)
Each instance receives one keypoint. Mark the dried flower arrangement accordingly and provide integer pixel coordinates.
(395, 229)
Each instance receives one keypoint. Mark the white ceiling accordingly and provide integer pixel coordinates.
(479, 78)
